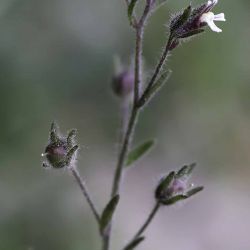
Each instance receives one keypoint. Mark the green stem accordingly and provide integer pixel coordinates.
(145, 224)
(158, 68)
(139, 28)
(81, 183)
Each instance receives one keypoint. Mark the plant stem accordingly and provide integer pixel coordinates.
(146, 223)
(120, 163)
(81, 183)
(135, 111)
(139, 28)
(124, 150)
(145, 14)
(138, 63)
(158, 68)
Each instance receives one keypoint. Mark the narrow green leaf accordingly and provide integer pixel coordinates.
(194, 191)
(108, 213)
(164, 183)
(163, 78)
(186, 170)
(139, 151)
(134, 243)
(131, 8)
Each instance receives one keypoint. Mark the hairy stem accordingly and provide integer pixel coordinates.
(120, 163)
(125, 112)
(138, 63)
(124, 151)
(139, 28)
(146, 12)
(81, 183)
(135, 111)
(145, 224)
(158, 68)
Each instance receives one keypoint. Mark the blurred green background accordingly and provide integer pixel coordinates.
(56, 62)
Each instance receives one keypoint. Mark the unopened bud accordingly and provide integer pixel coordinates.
(123, 83)
(174, 187)
(60, 152)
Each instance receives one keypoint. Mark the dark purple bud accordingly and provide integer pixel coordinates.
(123, 83)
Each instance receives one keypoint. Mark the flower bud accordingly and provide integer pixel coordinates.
(60, 152)
(123, 83)
(174, 186)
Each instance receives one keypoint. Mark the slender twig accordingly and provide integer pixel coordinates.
(156, 72)
(81, 183)
(118, 173)
(106, 240)
(145, 224)
(145, 14)
(124, 150)
(138, 55)
(139, 27)
(134, 112)
(124, 111)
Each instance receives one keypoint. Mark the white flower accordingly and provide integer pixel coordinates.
(210, 17)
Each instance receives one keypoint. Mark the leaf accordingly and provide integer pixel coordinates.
(186, 170)
(163, 78)
(139, 151)
(164, 183)
(194, 191)
(131, 7)
(108, 212)
(134, 243)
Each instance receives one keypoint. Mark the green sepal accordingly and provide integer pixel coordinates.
(174, 199)
(186, 170)
(194, 191)
(180, 19)
(181, 197)
(190, 33)
(54, 138)
(164, 184)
